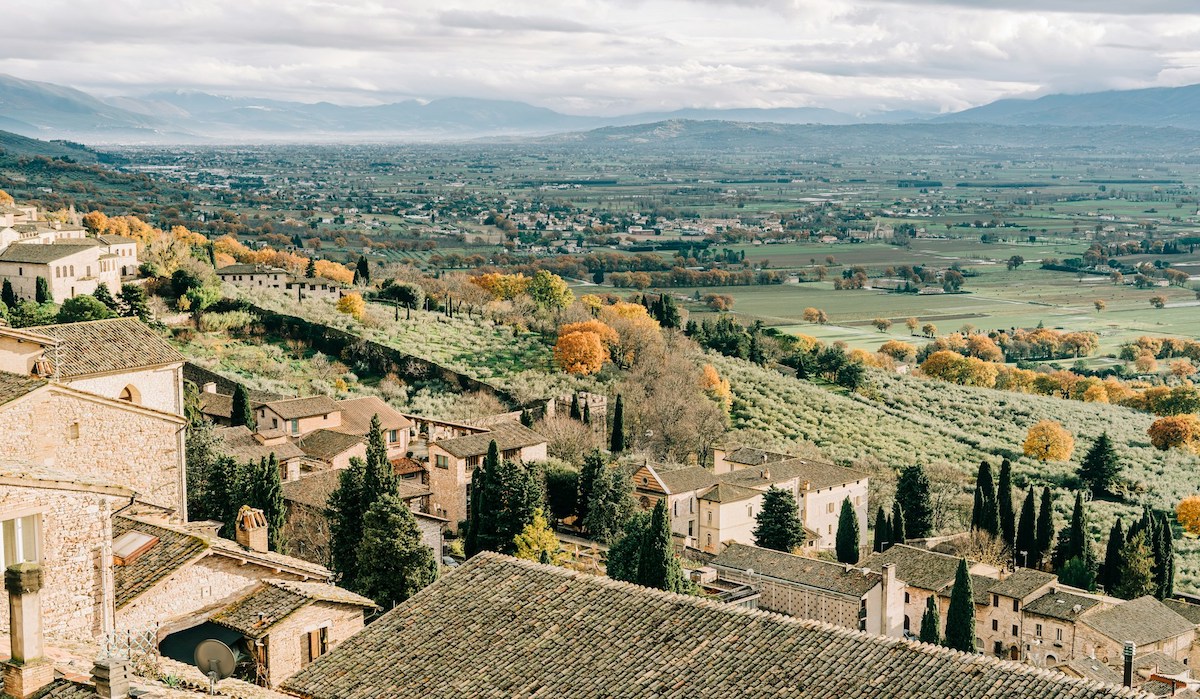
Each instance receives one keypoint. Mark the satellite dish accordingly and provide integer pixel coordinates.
(214, 659)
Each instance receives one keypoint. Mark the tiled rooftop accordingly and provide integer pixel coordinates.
(823, 575)
(509, 435)
(115, 344)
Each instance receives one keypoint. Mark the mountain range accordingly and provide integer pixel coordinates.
(45, 110)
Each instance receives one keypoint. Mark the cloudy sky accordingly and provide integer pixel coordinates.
(612, 56)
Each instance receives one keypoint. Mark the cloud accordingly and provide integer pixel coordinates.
(613, 56)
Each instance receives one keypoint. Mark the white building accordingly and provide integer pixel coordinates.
(71, 262)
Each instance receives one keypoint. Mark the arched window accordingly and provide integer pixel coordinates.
(131, 394)
(907, 623)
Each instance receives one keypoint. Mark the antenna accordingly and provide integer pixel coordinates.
(214, 659)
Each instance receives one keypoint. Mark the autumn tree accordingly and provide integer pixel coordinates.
(1188, 514)
(1158, 301)
(580, 353)
(549, 291)
(1048, 441)
(1176, 431)
(912, 324)
(929, 330)
(1100, 305)
(352, 305)
(882, 324)
(537, 542)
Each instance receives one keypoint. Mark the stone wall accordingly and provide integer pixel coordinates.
(76, 557)
(159, 389)
(286, 641)
(96, 440)
(799, 601)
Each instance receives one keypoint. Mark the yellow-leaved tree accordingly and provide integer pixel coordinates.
(537, 542)
(717, 388)
(580, 352)
(1188, 514)
(1175, 431)
(1049, 441)
(352, 305)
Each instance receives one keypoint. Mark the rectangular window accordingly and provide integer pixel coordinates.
(21, 540)
(829, 508)
(995, 625)
(393, 436)
(995, 600)
(907, 599)
(313, 645)
(691, 523)
(474, 461)
(1016, 632)
(710, 517)
(675, 509)
(511, 454)
(295, 427)
(1058, 634)
(1037, 630)
(1016, 605)
(691, 505)
(442, 461)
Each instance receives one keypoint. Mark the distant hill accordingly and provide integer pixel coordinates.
(15, 145)
(1177, 107)
(45, 110)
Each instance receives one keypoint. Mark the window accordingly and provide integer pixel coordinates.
(907, 599)
(995, 625)
(829, 508)
(710, 518)
(295, 426)
(313, 645)
(275, 422)
(21, 540)
(691, 505)
(907, 623)
(1037, 630)
(675, 509)
(1016, 605)
(512, 454)
(749, 510)
(442, 461)
(1016, 631)
(393, 436)
(474, 461)
(1058, 634)
(709, 539)
(73, 431)
(857, 500)
(830, 530)
(691, 523)
(131, 394)
(995, 600)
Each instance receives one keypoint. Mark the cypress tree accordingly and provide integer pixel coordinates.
(1101, 467)
(847, 534)
(912, 492)
(363, 270)
(311, 270)
(7, 295)
(395, 563)
(960, 618)
(610, 506)
(777, 525)
(104, 296)
(265, 492)
(345, 523)
(671, 317)
(522, 495)
(1136, 572)
(1164, 560)
(986, 516)
(242, 413)
(220, 499)
(624, 555)
(1112, 556)
(485, 503)
(1045, 526)
(1004, 503)
(587, 413)
(593, 469)
(380, 477)
(657, 566)
(929, 622)
(1075, 541)
(41, 291)
(1026, 542)
(976, 507)
(1077, 573)
(575, 413)
(616, 442)
(899, 527)
(883, 532)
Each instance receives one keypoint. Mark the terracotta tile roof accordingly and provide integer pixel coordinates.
(173, 551)
(1144, 620)
(1187, 610)
(979, 591)
(326, 445)
(268, 559)
(404, 466)
(725, 492)
(115, 344)
(116, 240)
(511, 435)
(1022, 583)
(270, 603)
(216, 404)
(749, 456)
(14, 386)
(43, 253)
(917, 567)
(240, 444)
(66, 689)
(542, 631)
(1059, 604)
(818, 474)
(1160, 663)
(249, 269)
(314, 489)
(1090, 669)
(309, 406)
(685, 480)
(357, 414)
(811, 572)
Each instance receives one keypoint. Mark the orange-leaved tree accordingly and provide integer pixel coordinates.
(580, 352)
(1188, 514)
(1049, 441)
(1182, 431)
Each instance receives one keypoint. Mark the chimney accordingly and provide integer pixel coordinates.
(28, 671)
(252, 529)
(111, 677)
(210, 387)
(1129, 649)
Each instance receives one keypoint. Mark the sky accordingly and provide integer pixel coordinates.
(608, 57)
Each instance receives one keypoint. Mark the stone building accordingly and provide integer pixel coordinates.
(452, 461)
(809, 588)
(253, 276)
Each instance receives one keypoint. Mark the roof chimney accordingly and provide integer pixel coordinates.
(27, 671)
(111, 677)
(252, 529)
(1129, 649)
(210, 387)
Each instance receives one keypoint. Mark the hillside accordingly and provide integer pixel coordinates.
(39, 109)
(1177, 107)
(15, 145)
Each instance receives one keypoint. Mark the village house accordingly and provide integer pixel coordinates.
(303, 288)
(712, 508)
(809, 588)
(298, 416)
(254, 276)
(636, 641)
(453, 460)
(244, 447)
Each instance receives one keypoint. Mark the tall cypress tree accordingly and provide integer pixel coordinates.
(575, 413)
(617, 441)
(485, 502)
(311, 270)
(777, 525)
(1164, 559)
(1045, 526)
(345, 514)
(41, 291)
(899, 527)
(848, 534)
(960, 618)
(220, 498)
(1101, 467)
(242, 413)
(1004, 503)
(380, 477)
(587, 413)
(1075, 541)
(593, 468)
(394, 563)
(912, 491)
(929, 622)
(265, 492)
(1112, 556)
(7, 295)
(657, 566)
(1026, 542)
(883, 531)
(1135, 577)
(986, 516)
(363, 270)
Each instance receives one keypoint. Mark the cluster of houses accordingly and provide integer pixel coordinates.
(257, 276)
(71, 261)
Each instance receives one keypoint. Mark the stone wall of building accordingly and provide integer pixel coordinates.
(796, 600)
(76, 555)
(137, 449)
(287, 639)
(158, 389)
